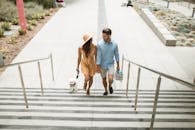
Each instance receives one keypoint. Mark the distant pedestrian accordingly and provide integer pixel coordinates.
(129, 3)
(87, 58)
(107, 50)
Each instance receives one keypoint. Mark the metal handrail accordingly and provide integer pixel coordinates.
(24, 62)
(157, 86)
(163, 74)
(39, 71)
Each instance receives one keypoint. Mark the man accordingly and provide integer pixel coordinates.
(107, 50)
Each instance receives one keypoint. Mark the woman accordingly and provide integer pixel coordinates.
(87, 58)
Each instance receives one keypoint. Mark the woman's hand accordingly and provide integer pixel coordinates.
(77, 69)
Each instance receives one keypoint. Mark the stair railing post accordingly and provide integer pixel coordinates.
(137, 88)
(40, 77)
(52, 68)
(23, 86)
(155, 103)
(128, 76)
(122, 63)
(168, 2)
(189, 4)
(193, 12)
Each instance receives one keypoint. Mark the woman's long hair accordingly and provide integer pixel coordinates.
(87, 47)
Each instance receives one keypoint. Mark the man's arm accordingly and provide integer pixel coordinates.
(95, 54)
(116, 54)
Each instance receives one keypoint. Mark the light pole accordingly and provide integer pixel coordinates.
(21, 14)
(193, 11)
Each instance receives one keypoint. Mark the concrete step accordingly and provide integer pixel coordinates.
(90, 124)
(97, 104)
(96, 99)
(59, 109)
(117, 94)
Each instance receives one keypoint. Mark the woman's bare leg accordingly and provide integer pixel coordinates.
(87, 79)
(90, 84)
(85, 85)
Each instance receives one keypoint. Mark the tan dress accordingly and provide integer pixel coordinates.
(88, 64)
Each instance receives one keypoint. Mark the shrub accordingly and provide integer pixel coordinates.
(28, 5)
(1, 33)
(40, 16)
(6, 26)
(22, 32)
(15, 22)
(8, 11)
(12, 40)
(32, 10)
(32, 22)
(29, 27)
(46, 3)
(47, 13)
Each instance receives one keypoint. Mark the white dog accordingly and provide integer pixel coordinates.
(73, 85)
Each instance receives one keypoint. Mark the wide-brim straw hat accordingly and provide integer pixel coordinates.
(87, 37)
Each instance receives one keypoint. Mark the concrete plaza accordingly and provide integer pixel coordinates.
(59, 109)
(62, 35)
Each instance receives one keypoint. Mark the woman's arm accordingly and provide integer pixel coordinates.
(79, 58)
(95, 54)
(98, 58)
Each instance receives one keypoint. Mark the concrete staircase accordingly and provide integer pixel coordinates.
(58, 109)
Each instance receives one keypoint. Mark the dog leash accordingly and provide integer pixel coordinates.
(77, 76)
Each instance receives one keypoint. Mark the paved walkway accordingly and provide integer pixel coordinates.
(62, 35)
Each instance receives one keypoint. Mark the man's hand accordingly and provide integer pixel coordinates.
(98, 69)
(118, 68)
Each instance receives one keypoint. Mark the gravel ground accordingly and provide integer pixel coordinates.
(181, 26)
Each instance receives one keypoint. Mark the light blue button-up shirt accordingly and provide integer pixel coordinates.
(106, 52)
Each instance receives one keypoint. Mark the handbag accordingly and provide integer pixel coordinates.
(119, 75)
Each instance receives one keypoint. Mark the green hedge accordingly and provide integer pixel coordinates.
(33, 10)
(45, 3)
(8, 11)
